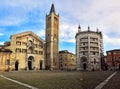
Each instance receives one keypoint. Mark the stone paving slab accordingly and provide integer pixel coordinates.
(105, 81)
(20, 83)
(114, 82)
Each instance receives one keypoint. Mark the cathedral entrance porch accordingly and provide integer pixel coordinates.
(30, 63)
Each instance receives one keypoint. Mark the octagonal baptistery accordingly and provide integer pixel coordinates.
(89, 49)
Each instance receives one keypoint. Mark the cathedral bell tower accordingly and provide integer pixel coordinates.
(52, 40)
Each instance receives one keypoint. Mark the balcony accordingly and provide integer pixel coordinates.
(84, 40)
(94, 41)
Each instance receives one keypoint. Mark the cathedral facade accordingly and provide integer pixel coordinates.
(25, 51)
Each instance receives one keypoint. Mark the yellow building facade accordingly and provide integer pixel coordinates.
(67, 60)
(4, 59)
(27, 52)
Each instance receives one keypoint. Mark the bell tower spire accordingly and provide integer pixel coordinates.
(52, 9)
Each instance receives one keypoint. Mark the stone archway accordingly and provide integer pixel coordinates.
(30, 62)
(84, 62)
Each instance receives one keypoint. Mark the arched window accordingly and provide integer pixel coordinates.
(30, 43)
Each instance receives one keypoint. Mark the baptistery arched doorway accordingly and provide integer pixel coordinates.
(84, 62)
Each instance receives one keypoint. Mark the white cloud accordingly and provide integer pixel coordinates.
(103, 14)
(8, 21)
(41, 33)
(17, 12)
(67, 32)
(111, 40)
(23, 4)
(1, 43)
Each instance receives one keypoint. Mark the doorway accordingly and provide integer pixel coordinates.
(30, 62)
(84, 66)
(41, 63)
(119, 66)
(16, 65)
(84, 62)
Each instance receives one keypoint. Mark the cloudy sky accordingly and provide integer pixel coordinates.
(29, 15)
